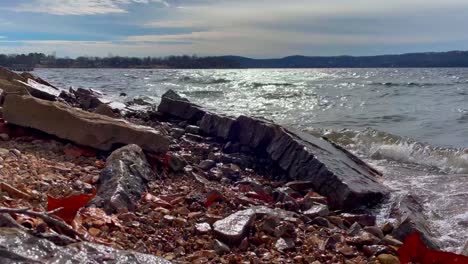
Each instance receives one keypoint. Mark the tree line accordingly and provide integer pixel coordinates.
(177, 62)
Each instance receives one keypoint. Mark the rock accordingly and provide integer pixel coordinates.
(176, 162)
(192, 130)
(20, 247)
(202, 228)
(233, 228)
(354, 229)
(220, 247)
(15, 152)
(87, 98)
(410, 218)
(123, 180)
(346, 181)
(363, 238)
(387, 228)
(105, 109)
(122, 94)
(4, 152)
(81, 127)
(285, 229)
(231, 147)
(269, 224)
(207, 164)
(320, 221)
(389, 240)
(375, 230)
(361, 219)
(244, 244)
(317, 210)
(28, 75)
(300, 185)
(218, 126)
(4, 137)
(388, 259)
(174, 105)
(177, 133)
(284, 244)
(464, 250)
(375, 250)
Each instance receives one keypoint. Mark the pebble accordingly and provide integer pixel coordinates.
(233, 228)
(192, 129)
(202, 228)
(284, 244)
(16, 152)
(388, 259)
(207, 164)
(220, 247)
(317, 210)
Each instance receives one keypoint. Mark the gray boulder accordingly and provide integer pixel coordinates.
(123, 180)
(218, 126)
(20, 247)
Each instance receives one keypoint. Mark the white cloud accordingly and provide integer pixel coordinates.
(2, 37)
(81, 7)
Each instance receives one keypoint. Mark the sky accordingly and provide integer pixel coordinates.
(253, 28)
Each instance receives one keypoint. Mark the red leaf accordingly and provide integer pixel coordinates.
(70, 205)
(212, 197)
(415, 251)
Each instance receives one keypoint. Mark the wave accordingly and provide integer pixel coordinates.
(378, 145)
(410, 84)
(258, 84)
(203, 81)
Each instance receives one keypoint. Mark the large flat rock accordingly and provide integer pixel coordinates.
(84, 128)
(20, 247)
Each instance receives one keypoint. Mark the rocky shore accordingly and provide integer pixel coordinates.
(178, 183)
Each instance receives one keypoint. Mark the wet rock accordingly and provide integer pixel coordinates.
(361, 219)
(284, 244)
(317, 210)
(375, 230)
(202, 228)
(174, 105)
(464, 250)
(21, 247)
(192, 130)
(410, 218)
(207, 164)
(123, 180)
(176, 162)
(233, 228)
(388, 259)
(218, 126)
(81, 127)
(220, 247)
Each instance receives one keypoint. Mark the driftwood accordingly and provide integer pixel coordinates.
(58, 225)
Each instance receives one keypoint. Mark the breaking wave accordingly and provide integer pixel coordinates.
(378, 145)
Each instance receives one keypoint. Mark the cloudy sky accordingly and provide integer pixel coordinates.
(255, 28)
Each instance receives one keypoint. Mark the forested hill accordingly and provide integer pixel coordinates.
(428, 59)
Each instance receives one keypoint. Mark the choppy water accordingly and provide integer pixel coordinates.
(410, 123)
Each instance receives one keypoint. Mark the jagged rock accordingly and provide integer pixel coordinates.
(207, 164)
(105, 109)
(174, 105)
(220, 247)
(361, 219)
(123, 180)
(218, 126)
(176, 162)
(21, 247)
(233, 228)
(375, 230)
(317, 210)
(389, 240)
(300, 185)
(28, 75)
(410, 218)
(284, 244)
(354, 229)
(254, 133)
(79, 126)
(28, 87)
(192, 129)
(87, 98)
